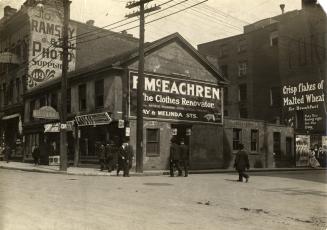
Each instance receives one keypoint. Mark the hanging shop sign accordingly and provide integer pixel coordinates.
(93, 119)
(302, 151)
(305, 100)
(127, 131)
(46, 112)
(172, 98)
(55, 127)
(121, 124)
(45, 52)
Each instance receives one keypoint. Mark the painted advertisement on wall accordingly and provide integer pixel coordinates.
(304, 105)
(45, 54)
(302, 151)
(172, 98)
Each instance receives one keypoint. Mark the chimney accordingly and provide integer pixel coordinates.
(8, 11)
(90, 22)
(282, 7)
(124, 32)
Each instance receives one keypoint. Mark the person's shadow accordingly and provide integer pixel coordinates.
(231, 180)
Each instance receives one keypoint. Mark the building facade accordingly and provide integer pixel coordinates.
(182, 98)
(277, 72)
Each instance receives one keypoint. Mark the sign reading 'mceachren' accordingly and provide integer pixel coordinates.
(177, 99)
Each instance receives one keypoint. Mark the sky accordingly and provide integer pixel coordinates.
(208, 21)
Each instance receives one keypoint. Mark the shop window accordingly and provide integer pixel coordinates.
(69, 100)
(82, 97)
(275, 96)
(242, 68)
(276, 144)
(99, 92)
(254, 140)
(237, 135)
(152, 142)
(242, 89)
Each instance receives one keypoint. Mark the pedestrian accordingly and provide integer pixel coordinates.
(126, 154)
(7, 153)
(36, 155)
(100, 151)
(241, 163)
(184, 150)
(313, 163)
(174, 158)
(111, 151)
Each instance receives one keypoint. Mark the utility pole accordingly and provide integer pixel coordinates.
(63, 114)
(140, 81)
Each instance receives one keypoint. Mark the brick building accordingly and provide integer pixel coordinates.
(277, 71)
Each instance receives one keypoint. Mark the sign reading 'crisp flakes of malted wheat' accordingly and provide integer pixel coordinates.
(173, 98)
(45, 53)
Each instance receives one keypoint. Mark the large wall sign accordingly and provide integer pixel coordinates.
(45, 54)
(309, 98)
(177, 99)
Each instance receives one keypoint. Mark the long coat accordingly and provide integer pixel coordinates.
(175, 152)
(184, 152)
(241, 161)
(127, 154)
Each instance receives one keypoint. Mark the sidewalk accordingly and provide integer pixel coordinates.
(96, 172)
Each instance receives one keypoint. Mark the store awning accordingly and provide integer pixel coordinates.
(93, 119)
(7, 57)
(11, 116)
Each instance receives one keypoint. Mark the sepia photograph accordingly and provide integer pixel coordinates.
(163, 114)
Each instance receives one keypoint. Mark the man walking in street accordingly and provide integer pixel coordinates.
(184, 156)
(241, 163)
(175, 157)
(100, 151)
(7, 153)
(111, 151)
(36, 155)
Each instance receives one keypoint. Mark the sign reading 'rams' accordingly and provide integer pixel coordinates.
(177, 99)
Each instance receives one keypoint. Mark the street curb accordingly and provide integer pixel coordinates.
(163, 173)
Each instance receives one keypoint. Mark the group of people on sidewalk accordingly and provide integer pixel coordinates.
(317, 157)
(179, 157)
(114, 157)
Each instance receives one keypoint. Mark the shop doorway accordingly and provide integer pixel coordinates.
(182, 131)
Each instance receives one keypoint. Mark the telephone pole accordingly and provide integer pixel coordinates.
(63, 114)
(140, 81)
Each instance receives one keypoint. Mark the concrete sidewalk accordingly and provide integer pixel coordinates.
(96, 172)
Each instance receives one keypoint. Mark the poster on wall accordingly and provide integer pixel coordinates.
(45, 53)
(172, 98)
(324, 143)
(302, 150)
(303, 104)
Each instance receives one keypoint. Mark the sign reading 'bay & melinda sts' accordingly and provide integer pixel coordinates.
(173, 98)
(45, 52)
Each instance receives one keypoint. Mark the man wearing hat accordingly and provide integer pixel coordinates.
(241, 163)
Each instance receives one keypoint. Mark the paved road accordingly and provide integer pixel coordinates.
(215, 201)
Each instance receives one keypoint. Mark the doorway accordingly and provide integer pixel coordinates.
(182, 131)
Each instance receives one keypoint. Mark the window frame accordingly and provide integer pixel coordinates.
(82, 98)
(254, 139)
(242, 68)
(151, 142)
(99, 93)
(236, 142)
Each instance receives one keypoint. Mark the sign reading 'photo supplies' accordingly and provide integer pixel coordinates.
(177, 99)
(45, 52)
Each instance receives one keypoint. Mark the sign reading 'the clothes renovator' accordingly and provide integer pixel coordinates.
(177, 99)
(45, 53)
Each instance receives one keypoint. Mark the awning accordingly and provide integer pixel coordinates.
(93, 119)
(7, 57)
(11, 116)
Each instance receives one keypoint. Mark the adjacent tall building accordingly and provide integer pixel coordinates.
(277, 71)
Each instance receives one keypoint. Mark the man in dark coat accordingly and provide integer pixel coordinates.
(184, 156)
(111, 151)
(127, 154)
(174, 158)
(242, 163)
(36, 155)
(100, 151)
(7, 153)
